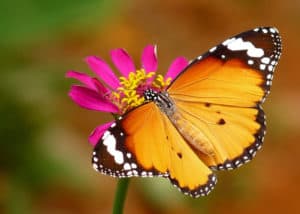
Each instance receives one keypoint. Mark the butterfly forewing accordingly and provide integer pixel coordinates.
(220, 93)
(123, 146)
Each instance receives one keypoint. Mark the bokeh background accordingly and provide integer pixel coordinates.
(45, 157)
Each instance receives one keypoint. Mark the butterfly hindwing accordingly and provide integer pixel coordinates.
(221, 93)
(145, 143)
(235, 133)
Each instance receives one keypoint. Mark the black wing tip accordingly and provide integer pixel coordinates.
(110, 156)
(202, 190)
(270, 42)
(269, 68)
(249, 152)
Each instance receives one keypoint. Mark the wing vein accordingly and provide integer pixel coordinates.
(218, 104)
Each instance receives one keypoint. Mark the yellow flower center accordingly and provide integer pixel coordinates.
(130, 92)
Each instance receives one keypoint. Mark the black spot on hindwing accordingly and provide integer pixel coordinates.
(250, 151)
(179, 155)
(221, 122)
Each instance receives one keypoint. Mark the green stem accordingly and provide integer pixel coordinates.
(120, 196)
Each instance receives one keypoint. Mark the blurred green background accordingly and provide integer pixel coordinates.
(45, 157)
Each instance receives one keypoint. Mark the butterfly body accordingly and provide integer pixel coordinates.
(209, 118)
(193, 136)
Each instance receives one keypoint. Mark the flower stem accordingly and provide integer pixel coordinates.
(120, 196)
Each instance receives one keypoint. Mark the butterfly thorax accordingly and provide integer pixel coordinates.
(190, 133)
(162, 100)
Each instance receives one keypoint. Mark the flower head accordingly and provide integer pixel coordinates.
(108, 93)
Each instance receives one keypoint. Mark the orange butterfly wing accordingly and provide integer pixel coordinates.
(153, 147)
(212, 80)
(221, 96)
(218, 121)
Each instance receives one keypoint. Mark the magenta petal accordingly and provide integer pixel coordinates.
(90, 99)
(88, 81)
(83, 78)
(122, 61)
(102, 69)
(149, 58)
(100, 87)
(176, 67)
(98, 132)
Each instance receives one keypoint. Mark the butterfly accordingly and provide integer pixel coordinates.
(208, 119)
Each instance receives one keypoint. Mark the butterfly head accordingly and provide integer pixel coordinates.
(150, 95)
(161, 99)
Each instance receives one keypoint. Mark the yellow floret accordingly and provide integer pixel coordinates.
(126, 96)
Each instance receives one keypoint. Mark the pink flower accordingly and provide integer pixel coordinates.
(108, 93)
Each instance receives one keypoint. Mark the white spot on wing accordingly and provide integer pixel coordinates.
(265, 60)
(264, 30)
(240, 45)
(110, 142)
(95, 159)
(272, 30)
(226, 42)
(269, 76)
(262, 67)
(95, 166)
(127, 166)
(212, 49)
(105, 134)
(270, 67)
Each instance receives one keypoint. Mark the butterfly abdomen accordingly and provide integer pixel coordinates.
(192, 134)
(189, 132)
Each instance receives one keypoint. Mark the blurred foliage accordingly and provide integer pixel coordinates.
(26, 21)
(29, 93)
